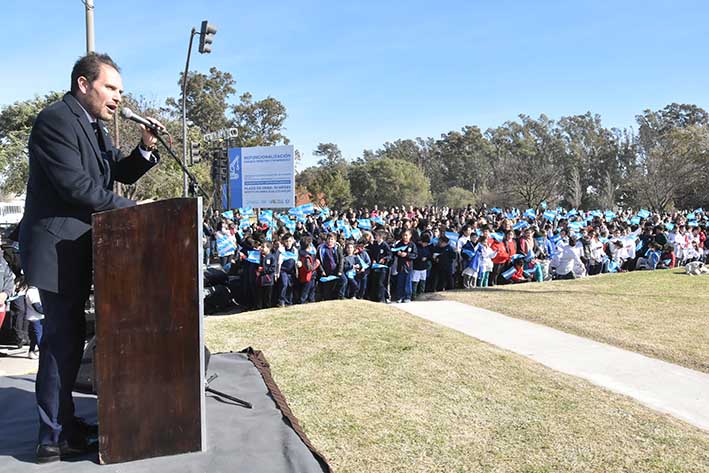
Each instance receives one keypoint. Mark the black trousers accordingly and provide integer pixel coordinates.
(60, 356)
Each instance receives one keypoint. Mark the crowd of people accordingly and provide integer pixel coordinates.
(396, 254)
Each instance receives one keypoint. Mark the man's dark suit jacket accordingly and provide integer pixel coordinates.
(69, 179)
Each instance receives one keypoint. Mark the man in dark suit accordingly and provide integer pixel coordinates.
(73, 166)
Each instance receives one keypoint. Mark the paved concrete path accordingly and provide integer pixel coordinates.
(668, 388)
(14, 361)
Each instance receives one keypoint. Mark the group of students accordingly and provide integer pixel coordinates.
(409, 251)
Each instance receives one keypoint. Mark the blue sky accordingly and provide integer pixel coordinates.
(362, 73)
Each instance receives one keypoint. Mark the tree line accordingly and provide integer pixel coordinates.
(574, 161)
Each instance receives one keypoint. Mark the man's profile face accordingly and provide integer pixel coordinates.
(101, 97)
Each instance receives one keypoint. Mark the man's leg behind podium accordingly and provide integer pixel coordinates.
(60, 356)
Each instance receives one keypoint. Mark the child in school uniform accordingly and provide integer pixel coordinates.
(443, 257)
(405, 251)
(422, 264)
(265, 277)
(486, 256)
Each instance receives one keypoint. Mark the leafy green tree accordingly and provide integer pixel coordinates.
(259, 123)
(207, 99)
(673, 157)
(16, 122)
(456, 198)
(389, 182)
(330, 184)
(529, 158)
(463, 160)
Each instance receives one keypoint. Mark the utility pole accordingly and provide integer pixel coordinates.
(206, 34)
(89, 4)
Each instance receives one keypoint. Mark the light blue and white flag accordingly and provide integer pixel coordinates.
(306, 208)
(691, 216)
(498, 236)
(508, 274)
(244, 223)
(254, 256)
(364, 223)
(289, 255)
(543, 204)
(635, 220)
(378, 220)
(693, 223)
(452, 238)
(399, 248)
(530, 213)
(379, 266)
(225, 246)
(550, 215)
(265, 216)
(328, 278)
(229, 215)
(356, 234)
(520, 225)
(670, 226)
(246, 211)
(644, 213)
(350, 274)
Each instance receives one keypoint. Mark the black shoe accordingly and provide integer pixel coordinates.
(84, 428)
(48, 453)
(78, 446)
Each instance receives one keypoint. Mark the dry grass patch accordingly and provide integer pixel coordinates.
(378, 390)
(663, 314)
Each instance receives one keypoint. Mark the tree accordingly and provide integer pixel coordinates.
(456, 198)
(463, 161)
(16, 122)
(207, 99)
(259, 123)
(330, 185)
(389, 182)
(528, 162)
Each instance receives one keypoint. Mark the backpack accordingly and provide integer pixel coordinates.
(308, 266)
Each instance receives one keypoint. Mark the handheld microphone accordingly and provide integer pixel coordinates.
(128, 113)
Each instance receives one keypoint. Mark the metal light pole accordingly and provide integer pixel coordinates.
(89, 4)
(185, 189)
(206, 33)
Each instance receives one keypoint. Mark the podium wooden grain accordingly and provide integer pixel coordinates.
(149, 345)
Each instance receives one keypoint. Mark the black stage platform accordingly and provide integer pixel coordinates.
(258, 440)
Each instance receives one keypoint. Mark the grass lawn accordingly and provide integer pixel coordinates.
(378, 390)
(662, 314)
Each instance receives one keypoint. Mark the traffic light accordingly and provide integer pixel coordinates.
(206, 36)
(220, 163)
(195, 156)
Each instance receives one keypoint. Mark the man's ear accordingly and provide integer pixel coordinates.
(83, 84)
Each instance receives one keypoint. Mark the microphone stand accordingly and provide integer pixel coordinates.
(191, 177)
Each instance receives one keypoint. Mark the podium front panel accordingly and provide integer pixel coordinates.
(149, 347)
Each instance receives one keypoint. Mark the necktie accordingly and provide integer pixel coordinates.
(99, 135)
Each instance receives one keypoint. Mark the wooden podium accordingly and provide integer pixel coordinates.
(149, 339)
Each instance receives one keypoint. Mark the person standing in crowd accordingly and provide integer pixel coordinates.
(265, 276)
(405, 251)
(443, 259)
(72, 167)
(380, 254)
(363, 273)
(422, 265)
(287, 262)
(308, 266)
(331, 268)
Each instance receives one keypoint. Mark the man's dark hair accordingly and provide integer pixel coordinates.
(89, 66)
